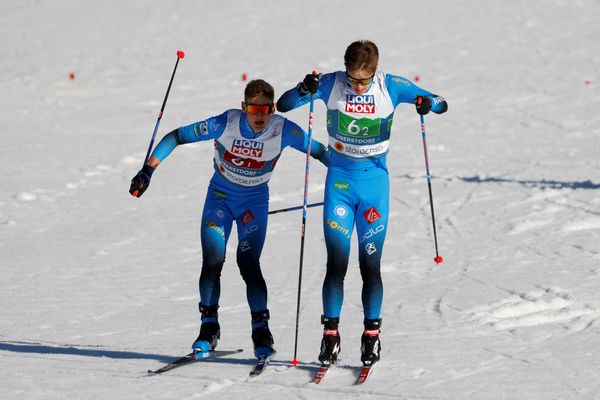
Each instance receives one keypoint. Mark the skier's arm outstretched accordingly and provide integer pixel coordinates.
(294, 136)
(402, 90)
(208, 129)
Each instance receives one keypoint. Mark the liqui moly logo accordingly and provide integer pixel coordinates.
(247, 148)
(360, 104)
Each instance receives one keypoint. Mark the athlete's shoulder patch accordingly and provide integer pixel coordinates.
(201, 128)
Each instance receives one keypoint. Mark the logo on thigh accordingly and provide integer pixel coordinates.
(244, 246)
(371, 215)
(340, 211)
(247, 217)
(337, 227)
(372, 232)
(370, 248)
(248, 230)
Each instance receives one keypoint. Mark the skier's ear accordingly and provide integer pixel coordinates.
(244, 107)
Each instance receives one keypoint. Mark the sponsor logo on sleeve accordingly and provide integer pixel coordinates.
(397, 79)
(371, 215)
(201, 128)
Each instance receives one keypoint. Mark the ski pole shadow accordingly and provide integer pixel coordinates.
(542, 184)
(39, 348)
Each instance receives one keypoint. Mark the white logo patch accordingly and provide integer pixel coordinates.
(244, 246)
(340, 211)
(370, 248)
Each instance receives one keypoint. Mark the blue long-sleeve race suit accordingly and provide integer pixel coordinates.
(238, 191)
(357, 183)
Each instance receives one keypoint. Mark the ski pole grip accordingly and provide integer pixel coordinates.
(180, 54)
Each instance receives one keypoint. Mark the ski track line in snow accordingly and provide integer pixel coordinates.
(537, 307)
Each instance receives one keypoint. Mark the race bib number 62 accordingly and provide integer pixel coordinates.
(361, 127)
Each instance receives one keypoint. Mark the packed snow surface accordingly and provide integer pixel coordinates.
(98, 286)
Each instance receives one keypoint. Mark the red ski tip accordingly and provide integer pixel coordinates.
(314, 72)
(438, 259)
(180, 54)
(295, 362)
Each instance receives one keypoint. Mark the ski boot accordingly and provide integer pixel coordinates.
(370, 345)
(330, 344)
(210, 331)
(261, 335)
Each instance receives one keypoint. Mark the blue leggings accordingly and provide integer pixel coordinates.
(249, 208)
(355, 197)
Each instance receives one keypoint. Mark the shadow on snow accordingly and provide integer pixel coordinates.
(542, 184)
(38, 348)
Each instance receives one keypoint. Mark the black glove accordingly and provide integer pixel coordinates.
(140, 182)
(310, 84)
(423, 104)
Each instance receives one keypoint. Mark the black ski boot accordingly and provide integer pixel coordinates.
(210, 331)
(261, 335)
(330, 344)
(370, 344)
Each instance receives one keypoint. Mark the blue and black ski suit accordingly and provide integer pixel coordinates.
(238, 191)
(357, 183)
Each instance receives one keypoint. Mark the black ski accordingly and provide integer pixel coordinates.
(260, 366)
(192, 358)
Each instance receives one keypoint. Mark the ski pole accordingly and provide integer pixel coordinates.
(180, 55)
(295, 361)
(282, 210)
(437, 258)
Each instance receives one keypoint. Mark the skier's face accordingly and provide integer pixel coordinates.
(360, 80)
(258, 111)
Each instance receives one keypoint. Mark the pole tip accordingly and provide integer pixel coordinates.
(295, 362)
(180, 54)
(438, 260)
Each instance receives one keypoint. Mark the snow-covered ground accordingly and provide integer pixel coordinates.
(97, 287)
